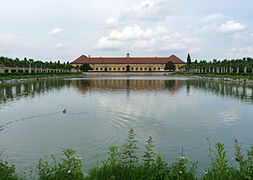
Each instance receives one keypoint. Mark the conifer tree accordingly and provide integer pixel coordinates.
(188, 59)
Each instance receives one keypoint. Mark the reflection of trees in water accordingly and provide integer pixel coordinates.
(225, 89)
(11, 91)
(85, 83)
(127, 85)
(170, 84)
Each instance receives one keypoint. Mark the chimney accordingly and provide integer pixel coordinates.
(128, 56)
(89, 56)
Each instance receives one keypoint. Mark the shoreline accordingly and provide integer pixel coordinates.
(15, 80)
(224, 79)
(90, 74)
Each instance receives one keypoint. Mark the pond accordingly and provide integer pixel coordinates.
(178, 113)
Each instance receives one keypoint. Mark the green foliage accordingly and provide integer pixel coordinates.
(128, 68)
(9, 62)
(85, 67)
(7, 169)
(113, 156)
(170, 66)
(160, 169)
(245, 165)
(234, 66)
(127, 155)
(183, 168)
(221, 170)
(219, 163)
(189, 61)
(122, 164)
(70, 167)
(124, 169)
(148, 156)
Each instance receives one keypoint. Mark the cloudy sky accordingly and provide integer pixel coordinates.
(64, 29)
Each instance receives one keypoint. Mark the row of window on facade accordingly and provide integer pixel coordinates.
(123, 69)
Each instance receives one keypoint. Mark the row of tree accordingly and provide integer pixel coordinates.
(9, 62)
(244, 65)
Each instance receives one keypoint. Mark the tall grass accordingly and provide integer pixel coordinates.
(122, 163)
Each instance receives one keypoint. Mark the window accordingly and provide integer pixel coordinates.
(114, 69)
(132, 69)
(97, 69)
(101, 69)
(145, 69)
(136, 69)
(123, 69)
(154, 69)
(110, 69)
(141, 69)
(118, 69)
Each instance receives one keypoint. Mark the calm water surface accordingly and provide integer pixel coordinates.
(176, 112)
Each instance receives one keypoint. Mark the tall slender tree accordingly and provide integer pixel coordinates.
(189, 61)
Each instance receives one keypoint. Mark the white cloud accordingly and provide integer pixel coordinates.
(145, 4)
(237, 35)
(194, 50)
(206, 29)
(213, 17)
(251, 35)
(156, 39)
(56, 31)
(241, 36)
(240, 52)
(111, 21)
(135, 32)
(232, 26)
(228, 27)
(59, 45)
(150, 10)
(106, 43)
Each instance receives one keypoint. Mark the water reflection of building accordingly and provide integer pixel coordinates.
(127, 84)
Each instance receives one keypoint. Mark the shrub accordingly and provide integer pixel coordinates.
(70, 167)
(7, 169)
(127, 154)
(148, 156)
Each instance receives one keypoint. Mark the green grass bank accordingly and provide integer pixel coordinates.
(221, 76)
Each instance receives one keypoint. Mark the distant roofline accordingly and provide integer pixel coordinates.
(127, 60)
(131, 57)
(127, 63)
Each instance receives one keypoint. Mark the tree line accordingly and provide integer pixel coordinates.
(244, 65)
(26, 63)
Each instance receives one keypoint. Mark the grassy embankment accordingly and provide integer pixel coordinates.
(214, 75)
(9, 76)
(123, 164)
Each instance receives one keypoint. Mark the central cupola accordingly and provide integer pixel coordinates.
(128, 56)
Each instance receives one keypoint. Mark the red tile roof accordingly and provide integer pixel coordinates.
(124, 60)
